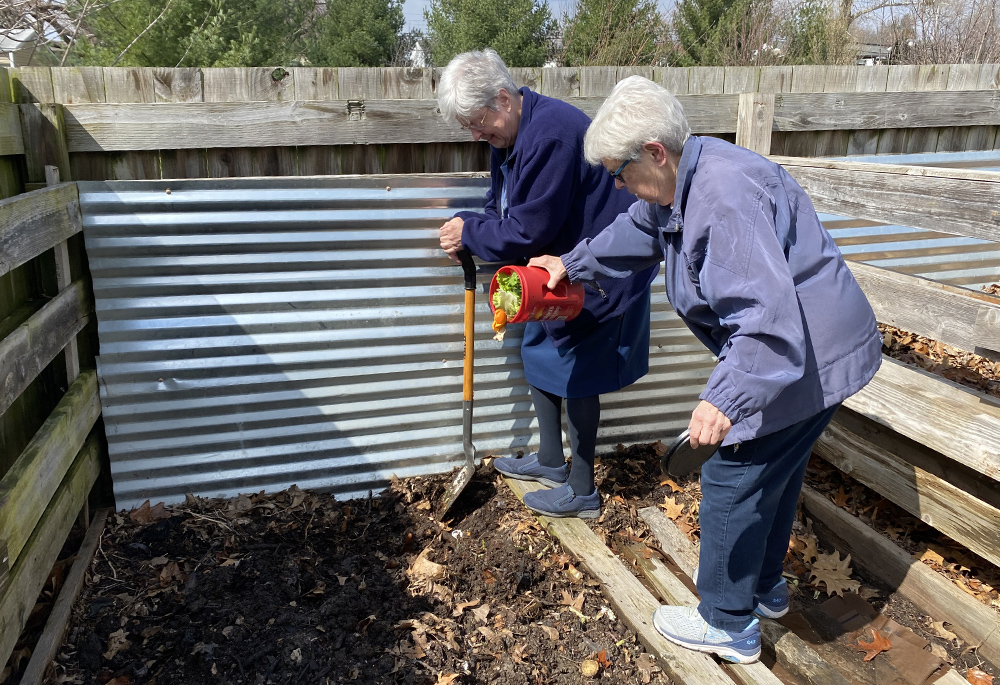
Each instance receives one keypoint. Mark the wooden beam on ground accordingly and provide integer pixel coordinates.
(754, 122)
(880, 558)
(956, 316)
(789, 650)
(34, 222)
(633, 604)
(960, 202)
(32, 480)
(957, 422)
(934, 501)
(672, 591)
(31, 571)
(55, 627)
(29, 349)
(11, 141)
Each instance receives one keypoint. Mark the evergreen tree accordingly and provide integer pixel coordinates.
(516, 29)
(698, 24)
(613, 32)
(356, 33)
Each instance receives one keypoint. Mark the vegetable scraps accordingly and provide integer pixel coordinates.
(506, 301)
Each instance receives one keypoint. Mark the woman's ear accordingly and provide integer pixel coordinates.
(658, 152)
(503, 100)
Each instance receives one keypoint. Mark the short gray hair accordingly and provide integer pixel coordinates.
(471, 81)
(637, 112)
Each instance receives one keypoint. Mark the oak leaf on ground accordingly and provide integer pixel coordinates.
(834, 573)
(872, 649)
(672, 508)
(977, 677)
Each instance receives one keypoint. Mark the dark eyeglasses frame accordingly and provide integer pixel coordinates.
(617, 175)
(479, 126)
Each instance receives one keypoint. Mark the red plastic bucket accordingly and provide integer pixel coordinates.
(538, 303)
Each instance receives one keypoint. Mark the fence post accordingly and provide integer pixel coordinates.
(754, 121)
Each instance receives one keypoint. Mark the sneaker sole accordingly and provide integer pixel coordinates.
(585, 514)
(724, 653)
(763, 611)
(547, 482)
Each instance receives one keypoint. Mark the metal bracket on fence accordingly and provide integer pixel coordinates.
(355, 110)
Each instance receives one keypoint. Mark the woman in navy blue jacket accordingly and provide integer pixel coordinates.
(544, 199)
(755, 276)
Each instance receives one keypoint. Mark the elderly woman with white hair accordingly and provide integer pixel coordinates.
(755, 276)
(545, 198)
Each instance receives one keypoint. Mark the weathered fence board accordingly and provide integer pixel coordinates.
(34, 222)
(73, 85)
(951, 315)
(951, 419)
(960, 202)
(934, 501)
(27, 488)
(11, 142)
(35, 343)
(30, 574)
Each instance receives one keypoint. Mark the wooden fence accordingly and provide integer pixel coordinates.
(929, 445)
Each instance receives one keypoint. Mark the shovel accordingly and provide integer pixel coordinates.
(465, 474)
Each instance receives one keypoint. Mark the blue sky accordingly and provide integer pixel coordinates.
(413, 10)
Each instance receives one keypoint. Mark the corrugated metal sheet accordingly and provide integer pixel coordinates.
(965, 262)
(257, 333)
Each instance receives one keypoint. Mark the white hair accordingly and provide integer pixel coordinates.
(637, 112)
(471, 81)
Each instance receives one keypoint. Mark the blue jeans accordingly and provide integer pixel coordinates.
(749, 495)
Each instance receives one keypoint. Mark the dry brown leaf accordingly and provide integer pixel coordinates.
(146, 514)
(446, 679)
(424, 569)
(488, 633)
(941, 653)
(550, 631)
(117, 642)
(674, 487)
(672, 508)
(872, 649)
(940, 629)
(171, 573)
(977, 677)
(481, 613)
(833, 573)
(933, 557)
(659, 448)
(602, 658)
(840, 497)
(574, 575)
(462, 606)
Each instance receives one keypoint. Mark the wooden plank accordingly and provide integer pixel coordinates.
(44, 126)
(97, 127)
(29, 349)
(788, 648)
(949, 314)
(674, 79)
(55, 627)
(954, 201)
(624, 72)
(359, 83)
(315, 83)
(741, 79)
(78, 84)
(673, 592)
(270, 84)
(136, 166)
(775, 80)
(230, 163)
(183, 163)
(706, 80)
(11, 141)
(525, 76)
(754, 122)
(930, 77)
(901, 78)
(32, 84)
(5, 92)
(960, 423)
(633, 604)
(882, 559)
(809, 78)
(870, 79)
(225, 84)
(30, 574)
(936, 502)
(182, 84)
(273, 161)
(29, 485)
(34, 222)
(407, 83)
(63, 279)
(597, 81)
(129, 84)
(560, 82)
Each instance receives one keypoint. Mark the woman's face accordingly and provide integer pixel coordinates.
(652, 177)
(498, 128)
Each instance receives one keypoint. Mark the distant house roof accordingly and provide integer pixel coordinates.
(12, 41)
(874, 51)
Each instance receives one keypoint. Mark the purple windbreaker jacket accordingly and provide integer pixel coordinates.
(755, 276)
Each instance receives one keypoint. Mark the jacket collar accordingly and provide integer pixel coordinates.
(685, 171)
(527, 104)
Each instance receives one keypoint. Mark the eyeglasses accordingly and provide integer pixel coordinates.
(477, 127)
(617, 175)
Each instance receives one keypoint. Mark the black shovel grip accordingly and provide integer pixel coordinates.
(469, 267)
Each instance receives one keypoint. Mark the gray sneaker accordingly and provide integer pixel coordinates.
(528, 468)
(562, 502)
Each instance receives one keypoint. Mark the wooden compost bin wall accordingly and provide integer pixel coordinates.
(231, 85)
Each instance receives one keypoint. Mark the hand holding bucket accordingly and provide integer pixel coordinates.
(538, 302)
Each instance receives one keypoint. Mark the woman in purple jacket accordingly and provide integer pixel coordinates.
(544, 199)
(755, 276)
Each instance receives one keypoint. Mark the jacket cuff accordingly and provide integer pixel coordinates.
(724, 404)
(571, 262)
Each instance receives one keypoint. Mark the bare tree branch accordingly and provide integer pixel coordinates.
(142, 33)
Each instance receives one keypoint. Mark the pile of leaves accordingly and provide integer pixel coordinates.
(298, 587)
(971, 370)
